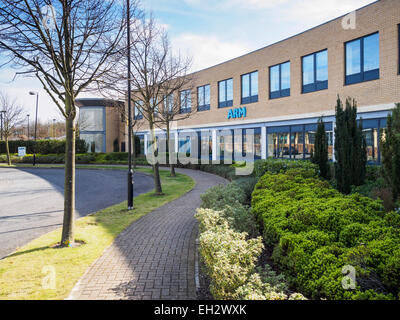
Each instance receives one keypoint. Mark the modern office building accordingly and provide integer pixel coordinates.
(101, 125)
(281, 90)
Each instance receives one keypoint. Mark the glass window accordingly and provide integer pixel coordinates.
(296, 141)
(308, 70)
(371, 52)
(371, 139)
(249, 87)
(225, 145)
(95, 141)
(254, 84)
(206, 145)
(285, 76)
(186, 101)
(207, 97)
(200, 96)
(353, 57)
(274, 78)
(297, 148)
(246, 86)
(257, 143)
(203, 98)
(91, 119)
(322, 65)
(279, 80)
(362, 59)
(225, 93)
(138, 113)
(169, 102)
(315, 71)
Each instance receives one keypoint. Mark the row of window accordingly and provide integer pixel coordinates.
(285, 142)
(361, 64)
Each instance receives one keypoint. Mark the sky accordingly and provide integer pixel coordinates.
(210, 31)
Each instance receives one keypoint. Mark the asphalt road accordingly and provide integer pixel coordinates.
(31, 199)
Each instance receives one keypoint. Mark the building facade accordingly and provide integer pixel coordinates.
(101, 125)
(282, 90)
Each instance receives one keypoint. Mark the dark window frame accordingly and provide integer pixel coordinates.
(186, 109)
(140, 114)
(316, 85)
(362, 76)
(249, 99)
(226, 103)
(398, 44)
(203, 107)
(281, 93)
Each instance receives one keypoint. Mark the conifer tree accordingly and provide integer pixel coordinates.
(320, 154)
(390, 146)
(350, 147)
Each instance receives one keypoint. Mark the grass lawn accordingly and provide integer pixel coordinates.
(23, 273)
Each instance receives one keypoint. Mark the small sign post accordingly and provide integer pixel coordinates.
(21, 151)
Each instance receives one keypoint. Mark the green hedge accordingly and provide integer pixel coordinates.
(281, 165)
(83, 158)
(314, 231)
(42, 146)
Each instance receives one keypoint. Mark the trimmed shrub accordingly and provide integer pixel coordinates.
(313, 231)
(230, 261)
(280, 166)
(218, 197)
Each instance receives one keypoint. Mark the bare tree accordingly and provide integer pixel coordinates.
(172, 109)
(12, 117)
(67, 45)
(156, 73)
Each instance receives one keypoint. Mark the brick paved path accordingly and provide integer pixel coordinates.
(154, 258)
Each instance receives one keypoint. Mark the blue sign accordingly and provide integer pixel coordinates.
(237, 113)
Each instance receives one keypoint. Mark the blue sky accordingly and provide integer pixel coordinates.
(211, 31)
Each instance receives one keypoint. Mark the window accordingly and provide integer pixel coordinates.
(95, 141)
(315, 71)
(203, 98)
(154, 103)
(225, 93)
(279, 80)
(186, 101)
(92, 119)
(138, 114)
(296, 141)
(249, 87)
(169, 103)
(362, 59)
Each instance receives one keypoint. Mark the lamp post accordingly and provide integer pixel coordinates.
(130, 172)
(33, 93)
(1, 124)
(28, 115)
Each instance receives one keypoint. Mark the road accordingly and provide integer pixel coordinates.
(31, 199)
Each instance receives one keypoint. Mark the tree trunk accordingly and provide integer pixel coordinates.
(156, 171)
(170, 152)
(67, 237)
(8, 152)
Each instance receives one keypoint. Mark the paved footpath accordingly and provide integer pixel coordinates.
(154, 258)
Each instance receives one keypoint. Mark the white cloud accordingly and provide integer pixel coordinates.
(207, 50)
(227, 4)
(313, 12)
